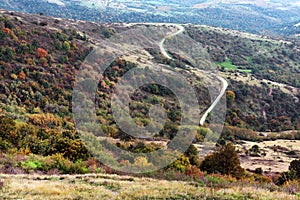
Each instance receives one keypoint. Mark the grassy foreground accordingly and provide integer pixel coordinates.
(103, 186)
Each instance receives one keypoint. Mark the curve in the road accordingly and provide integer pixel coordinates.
(224, 82)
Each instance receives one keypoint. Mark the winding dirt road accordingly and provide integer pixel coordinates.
(224, 82)
(161, 44)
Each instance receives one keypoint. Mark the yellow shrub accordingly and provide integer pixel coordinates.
(45, 120)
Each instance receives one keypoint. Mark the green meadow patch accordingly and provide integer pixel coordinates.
(227, 64)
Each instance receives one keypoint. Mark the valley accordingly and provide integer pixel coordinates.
(263, 17)
(247, 87)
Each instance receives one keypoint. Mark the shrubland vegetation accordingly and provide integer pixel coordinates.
(252, 106)
(38, 68)
(37, 134)
(266, 58)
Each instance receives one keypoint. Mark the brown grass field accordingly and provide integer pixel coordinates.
(102, 186)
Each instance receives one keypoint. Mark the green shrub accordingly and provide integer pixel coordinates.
(181, 164)
(61, 163)
(31, 164)
(285, 177)
(214, 180)
(79, 167)
(8, 130)
(66, 46)
(5, 145)
(224, 161)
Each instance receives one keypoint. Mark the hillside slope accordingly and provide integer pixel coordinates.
(33, 83)
(39, 59)
(40, 56)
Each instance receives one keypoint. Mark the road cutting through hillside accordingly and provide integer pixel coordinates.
(224, 82)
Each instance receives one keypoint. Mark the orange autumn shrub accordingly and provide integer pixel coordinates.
(41, 53)
(7, 31)
(22, 75)
(194, 172)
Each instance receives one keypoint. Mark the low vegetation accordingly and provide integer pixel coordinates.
(102, 186)
(38, 64)
(266, 58)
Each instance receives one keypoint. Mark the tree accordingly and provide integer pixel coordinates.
(7, 31)
(9, 54)
(35, 43)
(107, 32)
(230, 96)
(295, 166)
(224, 161)
(8, 24)
(181, 164)
(286, 176)
(43, 61)
(193, 155)
(8, 129)
(292, 174)
(66, 46)
(2, 34)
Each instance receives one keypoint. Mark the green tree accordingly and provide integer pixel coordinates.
(8, 129)
(193, 155)
(107, 32)
(230, 96)
(35, 43)
(9, 54)
(224, 161)
(292, 174)
(181, 164)
(66, 46)
(2, 34)
(295, 166)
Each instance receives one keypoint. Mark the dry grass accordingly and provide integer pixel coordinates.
(274, 161)
(104, 186)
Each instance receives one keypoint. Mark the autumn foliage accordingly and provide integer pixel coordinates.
(41, 53)
(22, 75)
(7, 31)
(45, 120)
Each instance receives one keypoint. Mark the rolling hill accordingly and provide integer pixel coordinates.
(252, 16)
(41, 56)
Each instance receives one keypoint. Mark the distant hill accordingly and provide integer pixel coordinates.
(252, 16)
(291, 29)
